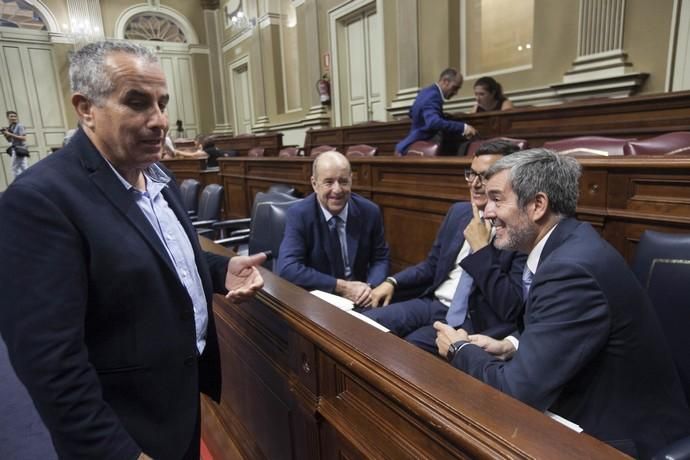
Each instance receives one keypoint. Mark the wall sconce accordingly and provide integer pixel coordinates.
(236, 18)
(80, 32)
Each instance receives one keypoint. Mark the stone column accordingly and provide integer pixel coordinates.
(215, 62)
(317, 112)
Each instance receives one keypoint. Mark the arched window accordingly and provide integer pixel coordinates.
(21, 15)
(154, 27)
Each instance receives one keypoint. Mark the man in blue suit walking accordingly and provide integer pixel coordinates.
(428, 123)
(334, 238)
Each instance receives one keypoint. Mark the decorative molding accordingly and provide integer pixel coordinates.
(243, 61)
(222, 128)
(611, 86)
(269, 19)
(600, 59)
(25, 35)
(86, 22)
(679, 61)
(404, 99)
(198, 49)
(303, 123)
(210, 4)
(335, 15)
(49, 19)
(215, 65)
(179, 18)
(237, 39)
(318, 115)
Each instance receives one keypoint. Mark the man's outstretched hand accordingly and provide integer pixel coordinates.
(243, 280)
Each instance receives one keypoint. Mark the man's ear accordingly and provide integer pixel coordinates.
(540, 206)
(313, 183)
(83, 108)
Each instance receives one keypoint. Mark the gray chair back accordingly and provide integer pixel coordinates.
(189, 189)
(267, 229)
(210, 202)
(283, 188)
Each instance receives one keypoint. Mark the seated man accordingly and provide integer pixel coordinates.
(465, 280)
(428, 122)
(334, 238)
(591, 349)
(208, 143)
(170, 151)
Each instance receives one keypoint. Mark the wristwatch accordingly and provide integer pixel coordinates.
(454, 348)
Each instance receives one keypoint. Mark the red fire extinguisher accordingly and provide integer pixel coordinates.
(323, 86)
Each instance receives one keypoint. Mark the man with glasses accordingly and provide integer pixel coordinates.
(464, 281)
(334, 238)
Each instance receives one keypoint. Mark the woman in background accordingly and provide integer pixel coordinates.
(489, 95)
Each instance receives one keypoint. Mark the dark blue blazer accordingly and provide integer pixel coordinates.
(592, 349)
(427, 118)
(305, 256)
(98, 326)
(495, 302)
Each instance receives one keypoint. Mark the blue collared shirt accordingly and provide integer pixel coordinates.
(171, 233)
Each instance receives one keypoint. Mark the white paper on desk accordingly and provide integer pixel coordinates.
(336, 300)
(564, 421)
(368, 320)
(347, 306)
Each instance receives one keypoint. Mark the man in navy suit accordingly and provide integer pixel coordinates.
(106, 293)
(491, 299)
(334, 239)
(590, 348)
(428, 122)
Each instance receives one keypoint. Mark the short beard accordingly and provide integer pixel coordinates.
(519, 238)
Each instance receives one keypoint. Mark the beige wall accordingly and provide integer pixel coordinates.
(646, 39)
(646, 43)
(551, 57)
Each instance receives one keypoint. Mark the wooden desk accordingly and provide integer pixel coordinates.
(630, 117)
(186, 168)
(620, 196)
(304, 380)
(271, 142)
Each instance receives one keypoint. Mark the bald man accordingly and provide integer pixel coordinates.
(334, 238)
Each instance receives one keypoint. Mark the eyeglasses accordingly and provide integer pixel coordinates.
(471, 175)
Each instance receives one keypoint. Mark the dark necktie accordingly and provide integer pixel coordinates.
(336, 248)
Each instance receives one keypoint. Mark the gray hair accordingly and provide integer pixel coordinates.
(88, 73)
(541, 170)
(448, 74)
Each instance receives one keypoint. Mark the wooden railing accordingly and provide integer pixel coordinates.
(305, 380)
(631, 117)
(620, 196)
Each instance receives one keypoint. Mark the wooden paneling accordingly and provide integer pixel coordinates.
(305, 380)
(186, 168)
(271, 142)
(632, 117)
(414, 194)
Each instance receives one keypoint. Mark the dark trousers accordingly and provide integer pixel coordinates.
(413, 320)
(194, 449)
